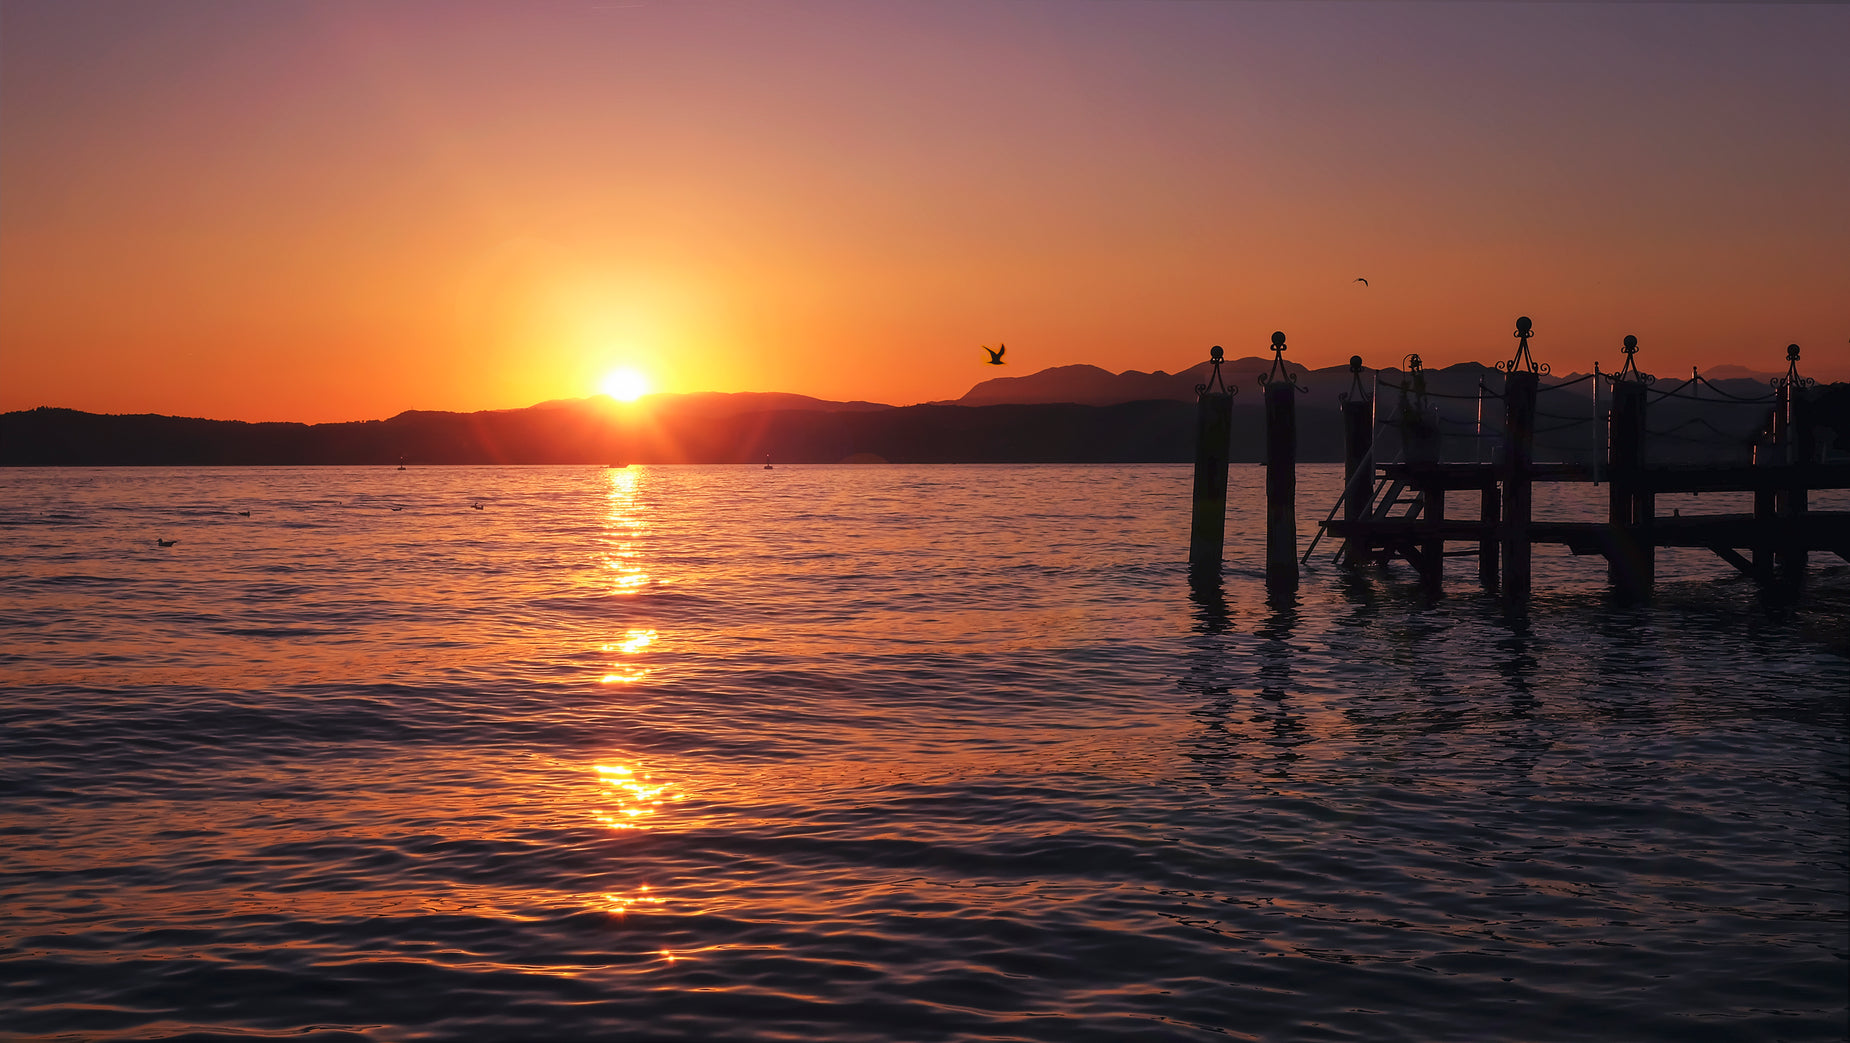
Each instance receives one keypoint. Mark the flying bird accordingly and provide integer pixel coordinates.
(1361, 280)
(995, 357)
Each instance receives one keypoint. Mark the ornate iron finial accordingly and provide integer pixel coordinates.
(1356, 392)
(1792, 378)
(1523, 360)
(1630, 370)
(1278, 366)
(1415, 369)
(1215, 383)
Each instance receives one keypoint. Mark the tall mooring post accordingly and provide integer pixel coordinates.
(1631, 507)
(1515, 467)
(1798, 445)
(1213, 438)
(1358, 443)
(1281, 476)
(1489, 510)
(1421, 447)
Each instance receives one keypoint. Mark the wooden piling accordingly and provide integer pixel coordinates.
(1791, 502)
(1420, 439)
(1281, 489)
(1765, 510)
(1358, 464)
(1213, 439)
(1631, 566)
(1515, 471)
(1489, 513)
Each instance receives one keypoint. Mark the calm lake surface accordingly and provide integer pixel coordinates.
(884, 753)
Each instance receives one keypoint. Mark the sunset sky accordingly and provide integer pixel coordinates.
(326, 210)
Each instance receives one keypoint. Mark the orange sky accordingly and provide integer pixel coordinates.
(330, 210)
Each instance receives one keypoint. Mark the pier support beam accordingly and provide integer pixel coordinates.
(1358, 462)
(1765, 511)
(1420, 436)
(1490, 512)
(1630, 508)
(1213, 438)
(1358, 411)
(1281, 489)
(1798, 447)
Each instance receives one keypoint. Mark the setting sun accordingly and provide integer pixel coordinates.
(624, 385)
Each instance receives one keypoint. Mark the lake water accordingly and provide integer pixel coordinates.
(884, 753)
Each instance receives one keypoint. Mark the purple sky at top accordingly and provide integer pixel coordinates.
(330, 210)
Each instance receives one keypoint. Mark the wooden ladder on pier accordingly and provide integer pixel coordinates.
(1385, 497)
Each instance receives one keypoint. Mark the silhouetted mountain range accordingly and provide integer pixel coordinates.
(1064, 414)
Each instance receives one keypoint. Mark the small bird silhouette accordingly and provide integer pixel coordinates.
(1361, 280)
(477, 506)
(398, 508)
(244, 514)
(995, 356)
(164, 543)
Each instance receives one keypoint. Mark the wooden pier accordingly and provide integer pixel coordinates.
(1400, 508)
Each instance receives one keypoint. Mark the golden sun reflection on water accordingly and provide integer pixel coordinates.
(619, 903)
(633, 797)
(625, 525)
(634, 641)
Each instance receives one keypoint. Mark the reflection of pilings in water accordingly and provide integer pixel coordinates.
(1517, 666)
(1275, 682)
(1212, 614)
(1207, 675)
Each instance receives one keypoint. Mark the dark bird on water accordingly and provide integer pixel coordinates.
(477, 506)
(1361, 280)
(165, 543)
(244, 514)
(995, 356)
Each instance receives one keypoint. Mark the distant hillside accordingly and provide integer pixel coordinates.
(1739, 373)
(753, 401)
(1090, 385)
(732, 429)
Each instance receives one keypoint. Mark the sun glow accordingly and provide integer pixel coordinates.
(624, 385)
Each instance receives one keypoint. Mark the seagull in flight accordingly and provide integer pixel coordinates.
(1361, 280)
(995, 357)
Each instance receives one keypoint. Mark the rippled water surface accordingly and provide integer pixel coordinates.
(882, 753)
